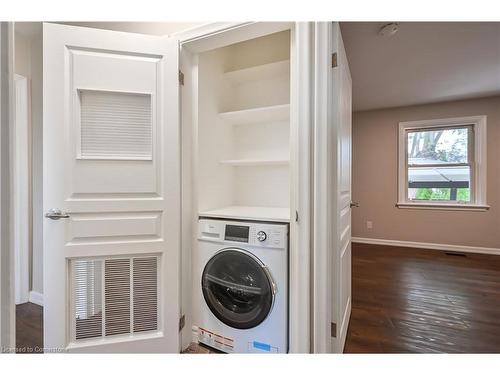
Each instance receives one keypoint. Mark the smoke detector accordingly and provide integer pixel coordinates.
(389, 29)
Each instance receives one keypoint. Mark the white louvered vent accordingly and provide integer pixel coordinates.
(145, 294)
(117, 296)
(114, 296)
(87, 285)
(115, 125)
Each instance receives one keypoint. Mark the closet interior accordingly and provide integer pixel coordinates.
(243, 130)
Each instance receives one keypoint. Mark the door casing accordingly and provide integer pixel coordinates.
(212, 36)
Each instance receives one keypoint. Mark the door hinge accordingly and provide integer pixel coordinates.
(334, 60)
(182, 322)
(181, 78)
(333, 329)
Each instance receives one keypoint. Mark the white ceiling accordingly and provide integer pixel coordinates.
(424, 62)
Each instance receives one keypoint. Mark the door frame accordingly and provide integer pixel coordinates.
(216, 35)
(323, 194)
(7, 254)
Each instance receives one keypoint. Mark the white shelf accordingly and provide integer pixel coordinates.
(273, 113)
(277, 214)
(259, 72)
(255, 162)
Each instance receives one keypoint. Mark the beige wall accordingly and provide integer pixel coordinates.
(375, 143)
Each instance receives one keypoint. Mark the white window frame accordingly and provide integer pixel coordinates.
(477, 163)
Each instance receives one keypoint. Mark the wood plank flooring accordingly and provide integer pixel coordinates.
(423, 301)
(404, 301)
(29, 328)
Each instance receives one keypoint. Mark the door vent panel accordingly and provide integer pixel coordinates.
(115, 125)
(114, 296)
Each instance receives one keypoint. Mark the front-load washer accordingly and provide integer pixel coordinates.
(241, 298)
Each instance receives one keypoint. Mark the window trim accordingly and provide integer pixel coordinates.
(477, 160)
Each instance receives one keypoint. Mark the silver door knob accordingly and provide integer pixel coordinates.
(56, 214)
(353, 204)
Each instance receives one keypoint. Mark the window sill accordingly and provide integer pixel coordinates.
(442, 206)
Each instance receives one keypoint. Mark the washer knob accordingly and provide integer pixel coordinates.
(261, 236)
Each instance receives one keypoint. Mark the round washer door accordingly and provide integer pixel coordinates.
(238, 288)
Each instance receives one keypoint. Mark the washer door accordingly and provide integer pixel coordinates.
(238, 288)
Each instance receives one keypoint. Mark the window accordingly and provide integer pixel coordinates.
(442, 163)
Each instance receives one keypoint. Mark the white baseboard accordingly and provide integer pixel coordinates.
(428, 245)
(36, 298)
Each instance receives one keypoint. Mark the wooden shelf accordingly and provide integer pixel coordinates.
(259, 72)
(255, 162)
(277, 214)
(273, 113)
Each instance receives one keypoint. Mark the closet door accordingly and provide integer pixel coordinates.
(111, 191)
(342, 117)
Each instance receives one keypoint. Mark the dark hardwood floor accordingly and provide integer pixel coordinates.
(423, 301)
(404, 301)
(29, 328)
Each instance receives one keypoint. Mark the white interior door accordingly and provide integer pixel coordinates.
(342, 116)
(332, 191)
(112, 173)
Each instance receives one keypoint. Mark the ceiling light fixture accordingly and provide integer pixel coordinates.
(389, 29)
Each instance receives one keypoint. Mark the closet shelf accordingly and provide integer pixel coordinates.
(277, 214)
(255, 162)
(273, 113)
(259, 72)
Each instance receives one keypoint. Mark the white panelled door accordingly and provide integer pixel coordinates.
(342, 116)
(111, 191)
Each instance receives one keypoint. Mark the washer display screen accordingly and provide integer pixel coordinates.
(238, 233)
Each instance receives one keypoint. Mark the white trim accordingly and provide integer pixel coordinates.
(7, 118)
(443, 206)
(478, 172)
(301, 123)
(324, 171)
(219, 34)
(36, 298)
(345, 323)
(429, 245)
(21, 193)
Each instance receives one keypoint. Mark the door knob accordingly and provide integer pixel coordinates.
(353, 204)
(56, 214)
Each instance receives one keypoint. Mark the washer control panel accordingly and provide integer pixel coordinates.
(256, 234)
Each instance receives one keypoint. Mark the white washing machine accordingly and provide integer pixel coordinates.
(241, 303)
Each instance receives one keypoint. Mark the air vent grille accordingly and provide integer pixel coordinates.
(117, 296)
(145, 294)
(114, 296)
(87, 285)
